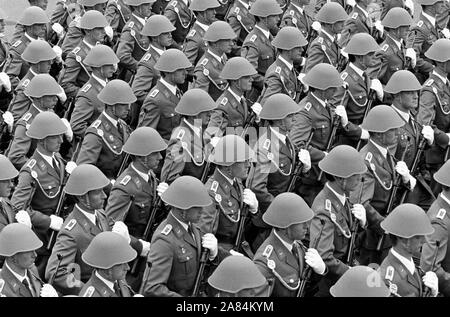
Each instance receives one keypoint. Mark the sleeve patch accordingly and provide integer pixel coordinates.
(441, 214)
(420, 23)
(344, 75)
(385, 47)
(267, 251)
(96, 124)
(167, 229)
(224, 101)
(180, 134)
(154, 93)
(125, 180)
(16, 43)
(31, 163)
(147, 57)
(71, 224)
(253, 38)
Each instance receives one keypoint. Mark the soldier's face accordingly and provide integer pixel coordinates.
(108, 70)
(179, 76)
(390, 139)
(48, 102)
(6, 187)
(246, 83)
(145, 9)
(289, 121)
(121, 110)
(119, 271)
(53, 143)
(225, 46)
(272, 22)
(368, 59)
(152, 160)
(296, 54)
(329, 92)
(447, 67)
(351, 183)
(403, 32)
(165, 39)
(193, 214)
(338, 27)
(240, 169)
(44, 67)
(409, 99)
(413, 245)
(39, 30)
(204, 116)
(25, 260)
(304, 2)
(210, 15)
(98, 34)
(96, 198)
(439, 6)
(298, 231)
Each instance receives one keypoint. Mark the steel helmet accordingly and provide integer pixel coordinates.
(7, 170)
(323, 76)
(237, 67)
(439, 51)
(101, 55)
(16, 238)
(397, 17)
(288, 38)
(402, 80)
(265, 8)
(42, 85)
(278, 106)
(116, 92)
(287, 209)
(406, 221)
(46, 124)
(144, 141)
(186, 192)
(38, 51)
(93, 19)
(85, 178)
(34, 15)
(172, 60)
(203, 5)
(428, 2)
(219, 30)
(381, 119)
(343, 161)
(195, 101)
(90, 3)
(331, 12)
(156, 25)
(231, 149)
(360, 281)
(361, 44)
(135, 3)
(442, 176)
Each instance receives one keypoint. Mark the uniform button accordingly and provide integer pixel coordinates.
(187, 258)
(291, 280)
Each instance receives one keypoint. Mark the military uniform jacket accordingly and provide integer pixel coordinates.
(132, 45)
(301, 20)
(194, 46)
(102, 146)
(95, 287)
(75, 73)
(207, 75)
(357, 22)
(435, 104)
(181, 17)
(87, 107)
(73, 36)
(408, 134)
(14, 288)
(158, 111)
(4, 52)
(117, 13)
(241, 20)
(61, 14)
(21, 103)
(320, 3)
(323, 50)
(14, 66)
(7, 214)
(184, 154)
(146, 75)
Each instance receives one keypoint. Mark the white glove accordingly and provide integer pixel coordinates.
(305, 158)
(232, 252)
(341, 112)
(58, 29)
(214, 141)
(109, 32)
(446, 33)
(430, 280)
(403, 171)
(316, 26)
(24, 218)
(70, 166)
(364, 134)
(62, 96)
(379, 27)
(410, 5)
(411, 53)
(256, 107)
(68, 133)
(145, 247)
(300, 78)
(122, 229)
(209, 242)
(249, 198)
(48, 291)
(343, 53)
(138, 295)
(56, 222)
(351, 3)
(112, 181)
(161, 188)
(375, 84)
(428, 134)
(313, 259)
(359, 212)
(5, 82)
(58, 52)
(9, 120)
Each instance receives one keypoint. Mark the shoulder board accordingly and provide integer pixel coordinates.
(385, 47)
(266, 144)
(96, 124)
(308, 106)
(125, 180)
(420, 23)
(130, 24)
(369, 157)
(253, 38)
(76, 50)
(25, 82)
(71, 224)
(354, 15)
(278, 70)
(167, 229)
(147, 57)
(31, 163)
(236, 10)
(441, 213)
(180, 134)
(154, 93)
(268, 250)
(320, 40)
(328, 204)
(429, 82)
(89, 291)
(214, 186)
(204, 62)
(86, 88)
(192, 32)
(292, 13)
(17, 43)
(344, 75)
(27, 117)
(224, 101)
(389, 273)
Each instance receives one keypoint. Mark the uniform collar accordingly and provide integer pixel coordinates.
(328, 34)
(398, 43)
(431, 19)
(238, 98)
(48, 158)
(226, 177)
(383, 150)
(90, 216)
(300, 9)
(101, 81)
(408, 263)
(196, 130)
(447, 200)
(29, 37)
(17, 276)
(266, 33)
(157, 50)
(442, 78)
(172, 88)
(202, 25)
(366, 14)
(215, 56)
(280, 136)
(183, 224)
(34, 74)
(107, 282)
(245, 5)
(285, 243)
(358, 70)
(87, 44)
(341, 198)
(322, 102)
(404, 115)
(143, 175)
(141, 20)
(113, 121)
(289, 65)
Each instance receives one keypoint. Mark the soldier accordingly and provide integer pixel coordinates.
(435, 252)
(316, 116)
(18, 277)
(282, 258)
(35, 21)
(158, 110)
(325, 48)
(222, 217)
(407, 227)
(186, 154)
(238, 276)
(108, 253)
(346, 4)
(63, 14)
(117, 13)
(219, 37)
(233, 111)
(103, 63)
(434, 106)
(132, 44)
(4, 45)
(257, 47)
(174, 255)
(388, 5)
(360, 281)
(7, 213)
(296, 16)
(182, 18)
(43, 91)
(76, 73)
(281, 76)
(104, 138)
(241, 20)
(330, 227)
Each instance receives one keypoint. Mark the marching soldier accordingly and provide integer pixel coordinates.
(43, 91)
(281, 76)
(241, 20)
(407, 227)
(132, 44)
(186, 153)
(62, 16)
(158, 110)
(108, 253)
(388, 5)
(182, 18)
(117, 13)
(282, 257)
(257, 47)
(332, 226)
(174, 255)
(104, 138)
(347, 4)
(40, 180)
(76, 73)
(232, 111)
(434, 107)
(219, 37)
(325, 48)
(103, 63)
(296, 16)
(7, 213)
(435, 254)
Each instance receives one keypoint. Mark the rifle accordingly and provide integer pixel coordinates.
(351, 247)
(123, 165)
(52, 278)
(427, 290)
(307, 272)
(298, 166)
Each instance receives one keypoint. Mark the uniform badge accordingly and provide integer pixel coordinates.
(214, 186)
(294, 20)
(441, 214)
(89, 291)
(328, 204)
(271, 264)
(344, 75)
(183, 250)
(167, 229)
(385, 47)
(270, 156)
(429, 82)
(100, 132)
(25, 82)
(278, 70)
(230, 203)
(267, 251)
(71, 224)
(218, 198)
(389, 273)
(154, 93)
(204, 62)
(266, 144)
(333, 217)
(253, 38)
(125, 180)
(308, 106)
(146, 58)
(192, 33)
(292, 13)
(34, 174)
(420, 23)
(354, 15)
(205, 72)
(369, 157)
(224, 101)
(393, 288)
(180, 134)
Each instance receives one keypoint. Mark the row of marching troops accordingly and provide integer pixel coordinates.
(204, 148)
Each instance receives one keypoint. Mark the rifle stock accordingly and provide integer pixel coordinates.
(298, 166)
(351, 248)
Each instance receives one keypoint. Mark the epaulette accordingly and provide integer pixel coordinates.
(192, 33)
(147, 57)
(320, 40)
(344, 75)
(266, 144)
(354, 15)
(214, 186)
(389, 273)
(27, 116)
(132, 32)
(278, 70)
(420, 23)
(204, 62)
(224, 101)
(125, 180)
(441, 214)
(253, 38)
(76, 50)
(429, 82)
(180, 134)
(327, 204)
(167, 229)
(31, 163)
(89, 291)
(308, 106)
(86, 88)
(154, 93)
(267, 251)
(16, 43)
(71, 224)
(25, 82)
(96, 124)
(236, 10)
(385, 47)
(131, 24)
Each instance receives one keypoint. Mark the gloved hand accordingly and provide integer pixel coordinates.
(209, 242)
(112, 181)
(145, 247)
(70, 166)
(359, 212)
(56, 222)
(410, 5)
(138, 295)
(58, 52)
(5, 82)
(214, 141)
(379, 27)
(9, 120)
(256, 107)
(48, 291)
(430, 280)
(364, 134)
(411, 53)
(375, 84)
(341, 112)
(446, 33)
(122, 229)
(316, 26)
(300, 78)
(403, 170)
(351, 3)
(58, 29)
(428, 134)
(68, 133)
(313, 259)
(305, 158)
(62, 96)
(109, 32)
(249, 198)
(161, 188)
(232, 252)
(23, 217)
